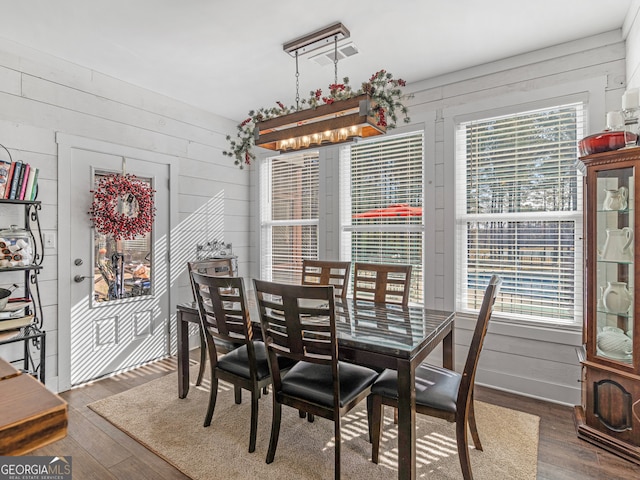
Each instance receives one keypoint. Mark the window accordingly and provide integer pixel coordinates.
(381, 198)
(519, 213)
(123, 268)
(289, 215)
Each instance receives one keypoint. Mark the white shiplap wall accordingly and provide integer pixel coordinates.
(41, 95)
(534, 360)
(631, 30)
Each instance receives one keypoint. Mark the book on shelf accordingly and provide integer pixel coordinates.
(18, 180)
(15, 180)
(9, 314)
(24, 179)
(15, 309)
(14, 304)
(34, 189)
(5, 167)
(29, 187)
(9, 334)
(13, 323)
(9, 180)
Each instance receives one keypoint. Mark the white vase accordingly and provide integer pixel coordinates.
(618, 245)
(615, 199)
(616, 297)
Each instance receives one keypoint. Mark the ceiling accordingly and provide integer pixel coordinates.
(227, 56)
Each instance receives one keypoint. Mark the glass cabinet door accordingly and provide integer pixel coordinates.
(615, 270)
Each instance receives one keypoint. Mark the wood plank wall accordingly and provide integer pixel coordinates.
(531, 360)
(631, 30)
(536, 361)
(41, 95)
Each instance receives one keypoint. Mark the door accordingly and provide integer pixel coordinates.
(119, 287)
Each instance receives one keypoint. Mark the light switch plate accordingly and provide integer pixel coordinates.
(49, 240)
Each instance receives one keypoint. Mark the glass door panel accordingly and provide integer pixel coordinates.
(122, 268)
(615, 271)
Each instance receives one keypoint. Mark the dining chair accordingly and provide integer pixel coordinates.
(327, 272)
(217, 267)
(224, 315)
(440, 392)
(382, 283)
(299, 322)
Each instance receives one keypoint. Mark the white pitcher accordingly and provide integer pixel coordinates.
(616, 297)
(615, 199)
(617, 246)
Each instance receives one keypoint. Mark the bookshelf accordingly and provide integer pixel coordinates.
(27, 328)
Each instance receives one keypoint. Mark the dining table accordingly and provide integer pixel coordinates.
(374, 335)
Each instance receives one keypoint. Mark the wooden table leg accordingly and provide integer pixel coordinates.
(182, 332)
(406, 421)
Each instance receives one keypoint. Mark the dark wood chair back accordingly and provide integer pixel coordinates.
(216, 267)
(285, 313)
(465, 392)
(326, 272)
(444, 393)
(298, 322)
(382, 283)
(224, 316)
(222, 305)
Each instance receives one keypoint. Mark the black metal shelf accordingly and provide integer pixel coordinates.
(32, 334)
(20, 202)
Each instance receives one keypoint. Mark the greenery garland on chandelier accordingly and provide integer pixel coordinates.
(384, 90)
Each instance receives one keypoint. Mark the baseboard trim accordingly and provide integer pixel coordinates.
(529, 387)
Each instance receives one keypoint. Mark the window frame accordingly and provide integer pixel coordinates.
(461, 218)
(346, 226)
(265, 179)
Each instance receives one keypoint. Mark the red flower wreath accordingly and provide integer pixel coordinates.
(104, 209)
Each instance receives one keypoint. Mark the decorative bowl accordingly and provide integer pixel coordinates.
(602, 142)
(612, 342)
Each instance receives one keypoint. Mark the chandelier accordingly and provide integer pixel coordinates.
(333, 123)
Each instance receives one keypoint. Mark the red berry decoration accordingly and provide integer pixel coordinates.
(105, 215)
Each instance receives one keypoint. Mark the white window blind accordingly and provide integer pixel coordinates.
(519, 213)
(382, 195)
(289, 215)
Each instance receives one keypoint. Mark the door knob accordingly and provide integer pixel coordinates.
(79, 278)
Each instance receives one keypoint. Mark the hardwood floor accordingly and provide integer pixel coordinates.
(101, 451)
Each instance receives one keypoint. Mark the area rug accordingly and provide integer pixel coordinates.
(172, 428)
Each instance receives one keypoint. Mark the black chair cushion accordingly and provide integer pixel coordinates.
(314, 383)
(237, 361)
(435, 387)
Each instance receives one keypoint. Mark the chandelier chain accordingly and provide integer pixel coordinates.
(335, 57)
(297, 84)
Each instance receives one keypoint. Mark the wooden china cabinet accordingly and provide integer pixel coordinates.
(609, 415)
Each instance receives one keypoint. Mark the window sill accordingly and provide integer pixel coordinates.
(546, 332)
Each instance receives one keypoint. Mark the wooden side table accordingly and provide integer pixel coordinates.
(30, 415)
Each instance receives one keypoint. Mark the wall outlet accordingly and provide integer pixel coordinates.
(49, 240)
